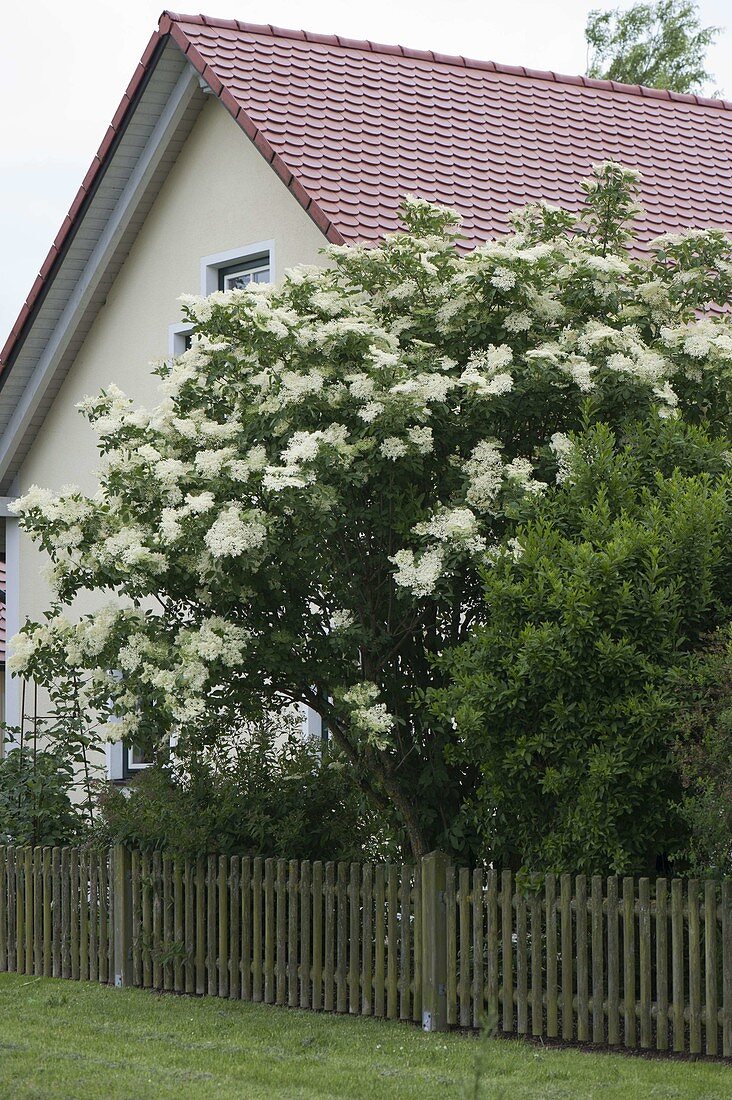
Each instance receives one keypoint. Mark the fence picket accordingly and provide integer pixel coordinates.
(189, 887)
(464, 955)
(692, 896)
(392, 958)
(281, 958)
(537, 1014)
(65, 913)
(598, 963)
(492, 991)
(93, 915)
(661, 964)
(727, 968)
(522, 977)
(292, 933)
(583, 1006)
(11, 911)
(567, 969)
(367, 978)
(317, 1001)
(28, 909)
(156, 939)
(245, 885)
(613, 963)
(341, 972)
(19, 912)
(507, 948)
(329, 965)
(136, 918)
(103, 918)
(417, 944)
(167, 946)
(83, 915)
(222, 951)
(677, 965)
(629, 1002)
(644, 961)
(257, 938)
(75, 900)
(478, 991)
(234, 947)
(710, 967)
(452, 956)
(354, 935)
(379, 941)
(178, 928)
(38, 913)
(269, 932)
(552, 1007)
(56, 917)
(305, 940)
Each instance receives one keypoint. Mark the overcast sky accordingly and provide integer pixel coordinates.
(65, 65)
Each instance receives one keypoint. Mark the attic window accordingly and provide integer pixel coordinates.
(238, 267)
(253, 269)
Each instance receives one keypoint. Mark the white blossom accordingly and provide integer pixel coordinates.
(393, 447)
(484, 470)
(419, 574)
(232, 534)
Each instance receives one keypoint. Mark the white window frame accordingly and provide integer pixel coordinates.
(131, 765)
(211, 265)
(177, 338)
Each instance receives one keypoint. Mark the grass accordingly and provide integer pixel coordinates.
(88, 1042)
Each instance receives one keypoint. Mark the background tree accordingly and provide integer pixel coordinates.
(660, 45)
(308, 513)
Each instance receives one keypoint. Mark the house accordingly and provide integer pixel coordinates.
(240, 150)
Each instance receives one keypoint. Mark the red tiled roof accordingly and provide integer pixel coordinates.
(351, 126)
(359, 124)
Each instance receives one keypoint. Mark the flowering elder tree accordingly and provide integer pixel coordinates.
(307, 513)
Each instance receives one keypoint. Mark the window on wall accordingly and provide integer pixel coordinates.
(124, 762)
(138, 759)
(238, 267)
(236, 276)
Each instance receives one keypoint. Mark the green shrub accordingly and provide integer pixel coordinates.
(564, 700)
(703, 725)
(35, 802)
(263, 794)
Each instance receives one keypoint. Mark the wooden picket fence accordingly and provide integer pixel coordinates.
(621, 962)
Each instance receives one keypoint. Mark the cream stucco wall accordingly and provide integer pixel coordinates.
(220, 195)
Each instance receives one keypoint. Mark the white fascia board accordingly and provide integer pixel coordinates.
(12, 615)
(25, 410)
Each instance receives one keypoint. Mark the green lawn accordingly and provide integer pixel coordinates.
(87, 1042)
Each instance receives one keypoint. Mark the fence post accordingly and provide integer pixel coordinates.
(122, 915)
(434, 942)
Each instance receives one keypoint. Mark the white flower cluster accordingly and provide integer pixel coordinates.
(418, 573)
(457, 527)
(562, 447)
(368, 716)
(484, 471)
(234, 533)
(484, 371)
